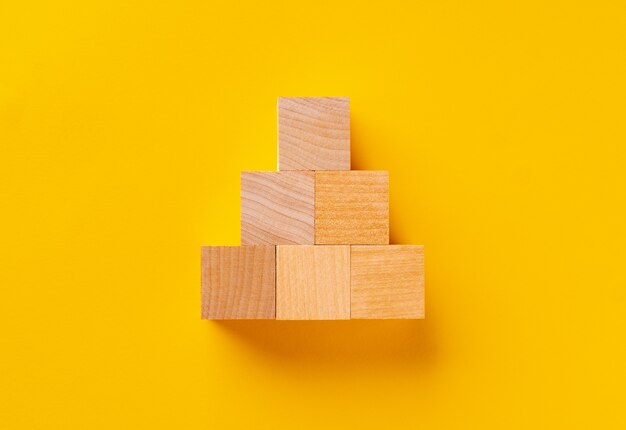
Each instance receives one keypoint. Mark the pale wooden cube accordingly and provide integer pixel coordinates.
(238, 282)
(387, 282)
(312, 282)
(313, 133)
(277, 208)
(352, 207)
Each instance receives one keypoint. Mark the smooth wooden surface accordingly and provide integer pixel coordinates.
(277, 208)
(387, 281)
(312, 282)
(314, 133)
(238, 282)
(352, 207)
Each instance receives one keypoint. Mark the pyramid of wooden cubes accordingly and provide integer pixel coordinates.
(314, 234)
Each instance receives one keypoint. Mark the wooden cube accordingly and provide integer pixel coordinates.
(277, 208)
(312, 282)
(238, 282)
(387, 281)
(352, 207)
(313, 133)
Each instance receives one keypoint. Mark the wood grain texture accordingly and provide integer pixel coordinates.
(313, 133)
(312, 282)
(238, 282)
(387, 281)
(352, 207)
(277, 208)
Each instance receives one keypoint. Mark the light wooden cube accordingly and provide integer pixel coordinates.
(313, 133)
(312, 282)
(352, 207)
(277, 208)
(387, 281)
(238, 282)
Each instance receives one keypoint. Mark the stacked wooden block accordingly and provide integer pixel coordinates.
(314, 234)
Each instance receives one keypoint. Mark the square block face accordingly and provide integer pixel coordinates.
(387, 281)
(277, 208)
(352, 207)
(238, 282)
(313, 133)
(312, 282)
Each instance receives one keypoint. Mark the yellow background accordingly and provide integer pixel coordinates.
(124, 126)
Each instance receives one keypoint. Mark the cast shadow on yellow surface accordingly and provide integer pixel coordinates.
(338, 344)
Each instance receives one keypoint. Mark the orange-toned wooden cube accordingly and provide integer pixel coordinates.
(352, 207)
